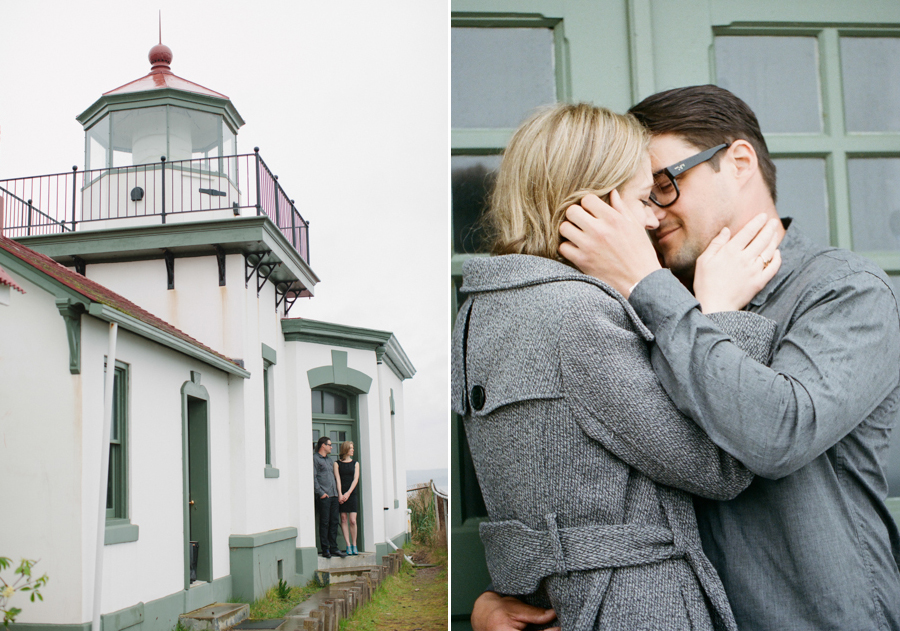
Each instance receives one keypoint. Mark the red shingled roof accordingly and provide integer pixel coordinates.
(96, 292)
(6, 280)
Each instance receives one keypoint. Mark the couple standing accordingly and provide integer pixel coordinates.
(337, 492)
(651, 457)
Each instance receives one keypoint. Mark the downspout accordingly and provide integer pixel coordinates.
(386, 474)
(104, 471)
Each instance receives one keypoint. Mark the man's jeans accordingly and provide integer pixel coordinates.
(329, 520)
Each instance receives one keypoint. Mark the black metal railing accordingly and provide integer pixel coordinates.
(223, 186)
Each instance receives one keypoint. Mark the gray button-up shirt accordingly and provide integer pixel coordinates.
(810, 544)
(324, 475)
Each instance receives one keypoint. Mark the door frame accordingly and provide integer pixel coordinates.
(192, 390)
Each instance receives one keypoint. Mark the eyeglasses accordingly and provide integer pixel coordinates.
(665, 187)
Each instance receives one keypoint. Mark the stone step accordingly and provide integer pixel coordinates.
(324, 609)
(215, 617)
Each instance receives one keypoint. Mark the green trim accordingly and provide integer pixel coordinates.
(20, 626)
(262, 538)
(255, 559)
(339, 374)
(123, 619)
(47, 283)
(269, 354)
(271, 472)
(164, 96)
(193, 389)
(220, 590)
(307, 562)
(165, 338)
(120, 531)
(235, 235)
(330, 334)
(71, 313)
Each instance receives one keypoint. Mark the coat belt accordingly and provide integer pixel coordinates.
(519, 557)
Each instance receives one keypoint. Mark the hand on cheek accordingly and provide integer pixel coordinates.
(608, 242)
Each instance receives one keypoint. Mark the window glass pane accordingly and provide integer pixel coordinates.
(316, 435)
(342, 436)
(98, 145)
(778, 77)
(802, 194)
(139, 136)
(874, 204)
(498, 75)
(871, 76)
(334, 404)
(473, 178)
(317, 402)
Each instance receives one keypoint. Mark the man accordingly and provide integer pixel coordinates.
(327, 499)
(810, 544)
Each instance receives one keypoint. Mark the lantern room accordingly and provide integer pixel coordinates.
(159, 115)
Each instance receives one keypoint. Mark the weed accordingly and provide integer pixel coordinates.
(282, 591)
(273, 605)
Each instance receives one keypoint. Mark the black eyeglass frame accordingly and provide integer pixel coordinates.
(679, 168)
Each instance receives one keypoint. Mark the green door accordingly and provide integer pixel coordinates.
(334, 415)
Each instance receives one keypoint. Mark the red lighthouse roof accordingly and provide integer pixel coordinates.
(161, 76)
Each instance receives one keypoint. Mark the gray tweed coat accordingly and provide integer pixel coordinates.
(548, 364)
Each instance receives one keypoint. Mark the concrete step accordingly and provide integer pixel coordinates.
(215, 617)
(363, 558)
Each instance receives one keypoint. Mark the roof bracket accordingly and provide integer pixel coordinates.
(170, 267)
(261, 281)
(252, 261)
(220, 258)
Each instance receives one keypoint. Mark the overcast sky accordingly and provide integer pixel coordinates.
(348, 103)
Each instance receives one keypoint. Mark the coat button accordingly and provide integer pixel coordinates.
(478, 397)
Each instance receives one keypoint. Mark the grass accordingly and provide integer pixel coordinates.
(271, 606)
(412, 599)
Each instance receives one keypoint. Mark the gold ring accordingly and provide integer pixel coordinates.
(764, 261)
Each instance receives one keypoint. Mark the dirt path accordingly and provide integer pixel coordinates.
(414, 600)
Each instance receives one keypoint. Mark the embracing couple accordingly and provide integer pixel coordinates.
(681, 431)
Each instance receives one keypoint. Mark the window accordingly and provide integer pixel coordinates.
(117, 484)
(269, 359)
(119, 528)
(501, 71)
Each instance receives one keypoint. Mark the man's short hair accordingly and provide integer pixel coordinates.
(706, 116)
(322, 441)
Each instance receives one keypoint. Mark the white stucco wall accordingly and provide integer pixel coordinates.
(153, 566)
(40, 453)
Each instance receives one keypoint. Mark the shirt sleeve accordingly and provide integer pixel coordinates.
(318, 487)
(617, 400)
(834, 366)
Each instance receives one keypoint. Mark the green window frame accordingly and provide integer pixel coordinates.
(119, 528)
(269, 357)
(117, 481)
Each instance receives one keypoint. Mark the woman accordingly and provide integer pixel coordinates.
(347, 473)
(548, 364)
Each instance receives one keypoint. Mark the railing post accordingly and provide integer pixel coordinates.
(29, 218)
(162, 159)
(258, 204)
(277, 216)
(74, 186)
(293, 226)
(307, 241)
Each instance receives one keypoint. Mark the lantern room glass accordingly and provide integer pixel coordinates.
(142, 136)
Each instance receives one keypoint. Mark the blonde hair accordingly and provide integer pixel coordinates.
(345, 448)
(555, 158)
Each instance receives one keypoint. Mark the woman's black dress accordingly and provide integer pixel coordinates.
(347, 470)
